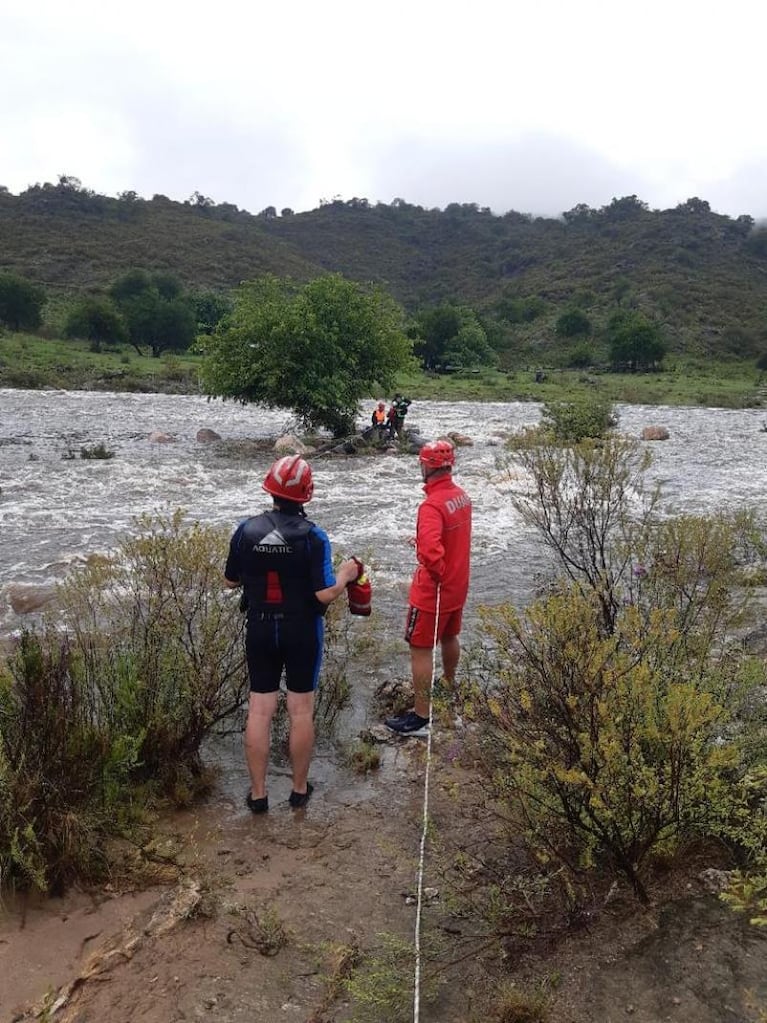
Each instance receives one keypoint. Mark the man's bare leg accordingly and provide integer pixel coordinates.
(422, 666)
(301, 714)
(451, 653)
(261, 710)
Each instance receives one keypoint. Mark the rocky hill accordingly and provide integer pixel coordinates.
(702, 275)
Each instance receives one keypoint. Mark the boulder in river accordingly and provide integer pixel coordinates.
(289, 444)
(158, 437)
(27, 597)
(206, 436)
(460, 440)
(655, 433)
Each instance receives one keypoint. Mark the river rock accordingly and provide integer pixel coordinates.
(27, 597)
(655, 433)
(460, 440)
(288, 444)
(206, 436)
(158, 437)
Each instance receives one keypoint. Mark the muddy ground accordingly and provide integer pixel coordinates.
(270, 915)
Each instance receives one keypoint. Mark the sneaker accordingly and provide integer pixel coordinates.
(257, 805)
(408, 724)
(299, 799)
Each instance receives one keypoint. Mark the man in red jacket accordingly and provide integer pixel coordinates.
(440, 583)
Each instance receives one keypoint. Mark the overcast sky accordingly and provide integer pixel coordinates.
(533, 105)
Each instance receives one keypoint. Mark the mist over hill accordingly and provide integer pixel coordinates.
(701, 275)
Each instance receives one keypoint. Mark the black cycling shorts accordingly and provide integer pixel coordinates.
(292, 642)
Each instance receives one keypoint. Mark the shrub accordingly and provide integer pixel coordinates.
(97, 451)
(161, 642)
(603, 746)
(116, 706)
(609, 708)
(573, 323)
(62, 771)
(580, 356)
(573, 421)
(96, 320)
(21, 303)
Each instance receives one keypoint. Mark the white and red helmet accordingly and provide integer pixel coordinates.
(437, 455)
(291, 479)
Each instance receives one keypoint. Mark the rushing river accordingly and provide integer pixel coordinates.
(56, 510)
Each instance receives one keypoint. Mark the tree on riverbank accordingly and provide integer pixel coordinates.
(316, 349)
(155, 310)
(21, 303)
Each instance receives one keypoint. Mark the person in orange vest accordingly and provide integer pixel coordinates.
(378, 419)
(440, 582)
(283, 562)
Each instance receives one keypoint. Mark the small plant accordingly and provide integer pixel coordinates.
(381, 988)
(262, 931)
(99, 450)
(341, 959)
(364, 756)
(512, 1004)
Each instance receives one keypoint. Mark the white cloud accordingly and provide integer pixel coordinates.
(285, 103)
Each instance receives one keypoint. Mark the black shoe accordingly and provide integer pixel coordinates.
(257, 805)
(299, 799)
(410, 724)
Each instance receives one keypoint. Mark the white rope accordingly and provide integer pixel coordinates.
(425, 828)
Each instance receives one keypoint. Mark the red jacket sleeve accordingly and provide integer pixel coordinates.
(430, 548)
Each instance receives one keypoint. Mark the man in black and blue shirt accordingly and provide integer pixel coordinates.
(283, 562)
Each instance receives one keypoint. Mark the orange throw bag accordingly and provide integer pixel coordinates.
(360, 592)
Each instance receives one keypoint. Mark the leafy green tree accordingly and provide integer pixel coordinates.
(450, 335)
(625, 208)
(756, 242)
(210, 307)
(155, 311)
(315, 349)
(96, 320)
(21, 303)
(635, 342)
(580, 356)
(573, 323)
(516, 309)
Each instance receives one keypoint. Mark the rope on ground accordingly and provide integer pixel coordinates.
(425, 827)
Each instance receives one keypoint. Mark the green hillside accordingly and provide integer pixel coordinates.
(701, 275)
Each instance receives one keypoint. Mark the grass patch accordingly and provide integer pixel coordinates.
(688, 381)
(29, 361)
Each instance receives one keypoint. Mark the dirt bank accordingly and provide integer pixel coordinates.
(271, 914)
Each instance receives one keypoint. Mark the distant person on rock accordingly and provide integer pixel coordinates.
(378, 419)
(397, 413)
(283, 562)
(440, 583)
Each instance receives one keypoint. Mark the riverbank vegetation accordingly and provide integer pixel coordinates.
(616, 711)
(29, 361)
(106, 707)
(651, 306)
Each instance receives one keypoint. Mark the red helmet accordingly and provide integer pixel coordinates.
(437, 455)
(291, 479)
